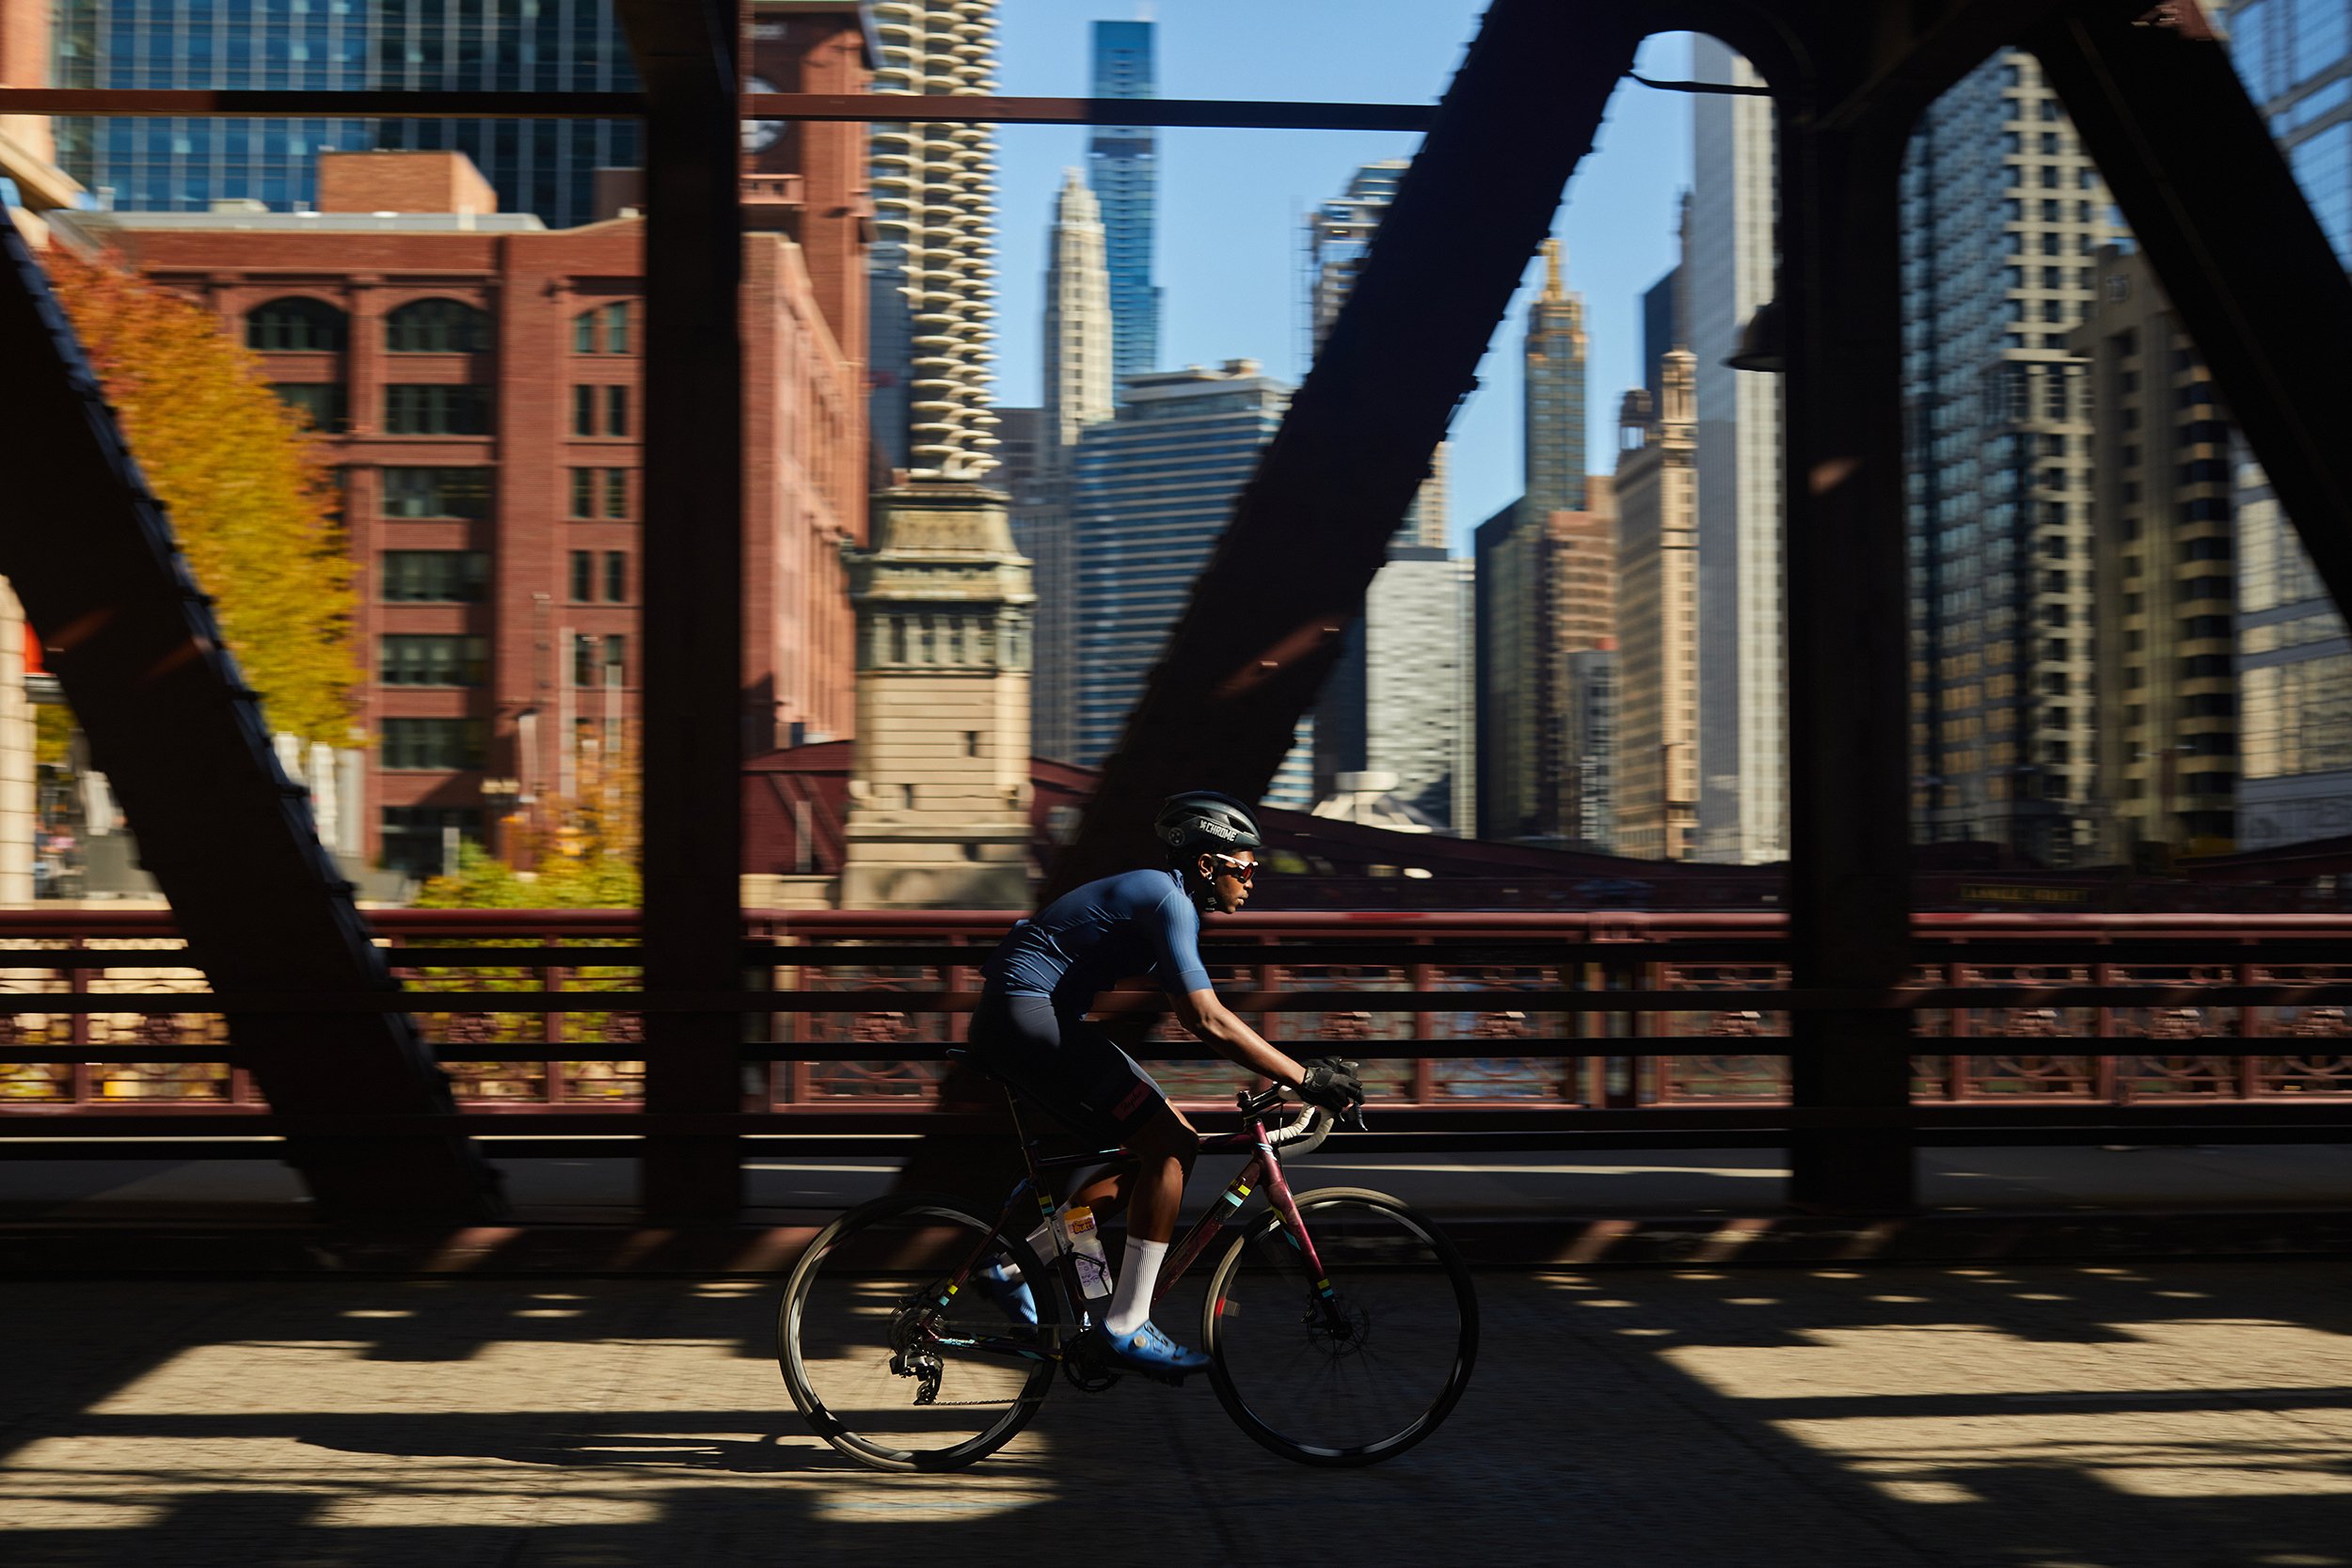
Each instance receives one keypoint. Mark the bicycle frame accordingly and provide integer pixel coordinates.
(1264, 1168)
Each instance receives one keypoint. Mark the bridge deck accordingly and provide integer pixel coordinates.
(2154, 1415)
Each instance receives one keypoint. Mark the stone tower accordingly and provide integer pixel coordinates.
(939, 793)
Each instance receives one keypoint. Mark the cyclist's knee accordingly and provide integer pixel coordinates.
(1166, 1136)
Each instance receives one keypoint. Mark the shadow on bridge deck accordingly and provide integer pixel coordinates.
(2150, 1415)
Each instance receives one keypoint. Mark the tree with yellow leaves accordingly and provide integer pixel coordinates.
(251, 498)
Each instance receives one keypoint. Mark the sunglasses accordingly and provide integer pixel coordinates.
(1241, 871)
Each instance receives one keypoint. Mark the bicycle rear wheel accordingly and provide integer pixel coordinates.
(863, 1338)
(1364, 1377)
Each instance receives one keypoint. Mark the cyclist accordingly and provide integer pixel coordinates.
(1030, 1029)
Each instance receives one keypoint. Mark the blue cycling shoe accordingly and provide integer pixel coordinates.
(1002, 1283)
(1152, 1352)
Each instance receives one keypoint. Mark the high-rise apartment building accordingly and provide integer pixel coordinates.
(1123, 166)
(1552, 415)
(1546, 588)
(2294, 659)
(1592, 707)
(1150, 493)
(1077, 365)
(935, 220)
(1656, 776)
(545, 167)
(2162, 549)
(1080, 334)
(1338, 237)
(1727, 266)
(476, 379)
(2002, 213)
(1400, 700)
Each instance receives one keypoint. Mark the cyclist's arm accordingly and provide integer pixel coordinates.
(1222, 1030)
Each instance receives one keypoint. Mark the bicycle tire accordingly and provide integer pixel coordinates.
(1384, 1383)
(840, 1327)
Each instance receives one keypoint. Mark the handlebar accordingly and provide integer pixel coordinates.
(1303, 1134)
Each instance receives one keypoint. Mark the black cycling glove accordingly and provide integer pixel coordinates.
(1331, 1083)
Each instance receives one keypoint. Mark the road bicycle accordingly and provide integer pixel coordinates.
(1340, 1327)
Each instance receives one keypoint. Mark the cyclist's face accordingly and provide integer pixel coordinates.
(1229, 875)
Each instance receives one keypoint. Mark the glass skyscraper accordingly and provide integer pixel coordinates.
(1122, 167)
(2002, 211)
(1151, 494)
(184, 166)
(2294, 659)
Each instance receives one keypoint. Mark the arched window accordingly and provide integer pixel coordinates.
(437, 326)
(295, 326)
(602, 330)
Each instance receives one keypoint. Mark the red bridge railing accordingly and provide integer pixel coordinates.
(1618, 1027)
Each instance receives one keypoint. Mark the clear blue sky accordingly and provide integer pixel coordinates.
(1231, 202)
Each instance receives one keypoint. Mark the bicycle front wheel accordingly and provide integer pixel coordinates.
(883, 1370)
(1360, 1377)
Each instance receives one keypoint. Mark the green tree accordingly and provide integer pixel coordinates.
(252, 499)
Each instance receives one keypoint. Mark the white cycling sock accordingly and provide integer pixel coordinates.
(1138, 1276)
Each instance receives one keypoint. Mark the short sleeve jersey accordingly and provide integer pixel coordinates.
(1136, 923)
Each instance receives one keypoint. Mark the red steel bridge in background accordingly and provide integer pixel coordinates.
(1479, 1030)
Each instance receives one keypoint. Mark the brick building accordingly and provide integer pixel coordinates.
(477, 375)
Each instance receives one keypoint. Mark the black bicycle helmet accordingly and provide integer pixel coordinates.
(1202, 821)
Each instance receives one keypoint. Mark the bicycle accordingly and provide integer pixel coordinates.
(1341, 1325)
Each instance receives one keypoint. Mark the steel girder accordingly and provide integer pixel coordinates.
(693, 746)
(227, 836)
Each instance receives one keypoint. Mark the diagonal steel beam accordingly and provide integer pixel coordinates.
(692, 750)
(2227, 231)
(181, 740)
(1246, 658)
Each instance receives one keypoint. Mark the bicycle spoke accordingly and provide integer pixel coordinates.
(1358, 1376)
(861, 1333)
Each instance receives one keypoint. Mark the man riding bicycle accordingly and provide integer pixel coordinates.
(1032, 1030)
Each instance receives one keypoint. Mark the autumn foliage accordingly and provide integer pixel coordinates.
(251, 498)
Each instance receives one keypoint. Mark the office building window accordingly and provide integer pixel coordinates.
(434, 660)
(415, 838)
(600, 411)
(616, 577)
(436, 410)
(321, 403)
(596, 660)
(295, 325)
(583, 493)
(436, 576)
(437, 326)
(602, 330)
(583, 576)
(616, 492)
(433, 745)
(462, 493)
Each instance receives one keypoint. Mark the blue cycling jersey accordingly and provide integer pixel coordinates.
(1136, 923)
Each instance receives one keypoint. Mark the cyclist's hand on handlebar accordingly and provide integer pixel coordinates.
(1332, 1085)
